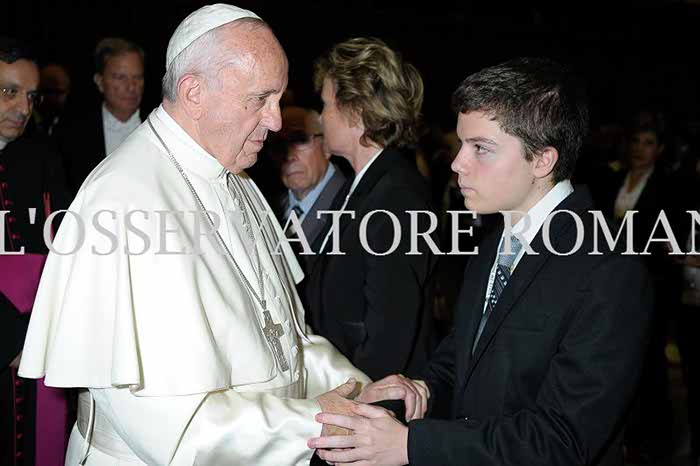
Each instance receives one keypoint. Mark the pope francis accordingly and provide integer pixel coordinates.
(169, 297)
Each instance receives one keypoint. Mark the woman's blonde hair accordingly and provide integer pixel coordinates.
(376, 85)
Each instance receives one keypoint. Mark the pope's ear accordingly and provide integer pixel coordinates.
(189, 94)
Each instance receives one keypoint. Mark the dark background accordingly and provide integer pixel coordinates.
(634, 56)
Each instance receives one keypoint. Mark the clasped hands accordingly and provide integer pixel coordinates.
(361, 434)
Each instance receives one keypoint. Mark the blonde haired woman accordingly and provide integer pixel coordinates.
(373, 301)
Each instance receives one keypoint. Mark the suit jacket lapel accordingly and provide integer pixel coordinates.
(526, 271)
(281, 207)
(474, 292)
(101, 143)
(387, 159)
(376, 171)
(311, 225)
(649, 197)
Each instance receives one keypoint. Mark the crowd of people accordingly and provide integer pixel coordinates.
(409, 347)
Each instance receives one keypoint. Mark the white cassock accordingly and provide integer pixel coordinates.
(171, 345)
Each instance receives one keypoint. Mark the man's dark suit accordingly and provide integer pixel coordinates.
(555, 369)
(313, 226)
(80, 138)
(377, 310)
(29, 170)
(31, 177)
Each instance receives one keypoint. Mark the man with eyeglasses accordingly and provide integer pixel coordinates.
(311, 179)
(33, 418)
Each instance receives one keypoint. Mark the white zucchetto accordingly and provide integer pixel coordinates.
(200, 22)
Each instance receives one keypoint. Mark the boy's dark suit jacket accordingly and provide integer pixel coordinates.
(555, 369)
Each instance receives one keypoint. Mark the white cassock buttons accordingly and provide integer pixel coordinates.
(295, 350)
(287, 325)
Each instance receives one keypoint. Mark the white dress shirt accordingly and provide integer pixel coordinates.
(626, 200)
(117, 131)
(530, 225)
(310, 199)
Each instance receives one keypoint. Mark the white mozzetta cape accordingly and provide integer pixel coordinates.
(172, 328)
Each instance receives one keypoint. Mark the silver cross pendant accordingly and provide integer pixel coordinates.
(273, 332)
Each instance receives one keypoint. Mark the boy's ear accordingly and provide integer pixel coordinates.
(544, 162)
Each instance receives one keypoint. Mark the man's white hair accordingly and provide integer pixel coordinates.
(204, 57)
(200, 57)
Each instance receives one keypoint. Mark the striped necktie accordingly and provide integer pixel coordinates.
(503, 271)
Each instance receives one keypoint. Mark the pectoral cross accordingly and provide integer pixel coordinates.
(273, 332)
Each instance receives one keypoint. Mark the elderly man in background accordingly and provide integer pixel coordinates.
(192, 352)
(312, 180)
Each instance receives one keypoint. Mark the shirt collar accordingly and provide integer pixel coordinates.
(3, 144)
(642, 181)
(310, 199)
(539, 212)
(188, 153)
(112, 122)
(359, 176)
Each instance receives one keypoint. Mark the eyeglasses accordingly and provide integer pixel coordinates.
(11, 93)
(299, 137)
